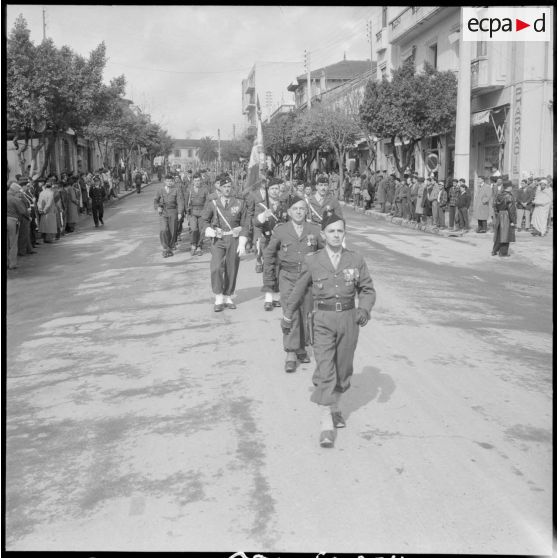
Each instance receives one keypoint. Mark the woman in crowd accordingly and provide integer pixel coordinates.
(47, 212)
(542, 202)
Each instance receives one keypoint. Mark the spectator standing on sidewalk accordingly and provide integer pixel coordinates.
(433, 193)
(505, 218)
(453, 194)
(481, 205)
(419, 206)
(381, 191)
(335, 276)
(524, 202)
(462, 205)
(541, 202)
(47, 213)
(16, 214)
(442, 204)
(72, 206)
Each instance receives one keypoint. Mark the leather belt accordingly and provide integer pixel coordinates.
(337, 307)
(291, 267)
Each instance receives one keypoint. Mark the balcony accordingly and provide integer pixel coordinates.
(415, 20)
(485, 77)
(381, 40)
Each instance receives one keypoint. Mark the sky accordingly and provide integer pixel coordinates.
(184, 64)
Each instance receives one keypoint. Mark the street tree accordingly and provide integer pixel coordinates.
(336, 130)
(50, 89)
(207, 150)
(279, 139)
(410, 107)
(307, 140)
(232, 151)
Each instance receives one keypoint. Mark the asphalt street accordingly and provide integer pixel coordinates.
(139, 419)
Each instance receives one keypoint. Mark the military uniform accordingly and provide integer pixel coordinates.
(316, 209)
(254, 198)
(224, 220)
(283, 261)
(172, 203)
(335, 317)
(196, 200)
(97, 195)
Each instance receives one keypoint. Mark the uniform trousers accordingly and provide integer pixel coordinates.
(335, 340)
(168, 226)
(13, 233)
(197, 239)
(224, 265)
(295, 340)
(98, 211)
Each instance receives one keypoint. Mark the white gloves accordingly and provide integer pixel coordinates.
(210, 233)
(241, 250)
(179, 216)
(264, 215)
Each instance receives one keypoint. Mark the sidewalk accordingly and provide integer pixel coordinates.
(538, 251)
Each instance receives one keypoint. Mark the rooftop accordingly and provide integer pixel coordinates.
(345, 69)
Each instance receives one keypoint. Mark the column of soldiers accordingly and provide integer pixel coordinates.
(299, 241)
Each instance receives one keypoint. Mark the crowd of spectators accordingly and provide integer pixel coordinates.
(41, 210)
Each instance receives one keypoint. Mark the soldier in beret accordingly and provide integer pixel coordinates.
(169, 203)
(196, 196)
(322, 201)
(336, 276)
(283, 259)
(266, 218)
(225, 220)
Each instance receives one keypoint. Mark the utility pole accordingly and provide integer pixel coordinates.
(44, 25)
(369, 35)
(307, 68)
(463, 117)
(234, 131)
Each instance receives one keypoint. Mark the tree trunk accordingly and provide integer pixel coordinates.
(48, 152)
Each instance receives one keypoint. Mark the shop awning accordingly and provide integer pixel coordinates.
(478, 118)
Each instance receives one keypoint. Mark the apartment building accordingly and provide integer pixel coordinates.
(511, 91)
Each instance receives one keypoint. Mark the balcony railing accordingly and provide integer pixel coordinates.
(381, 40)
(409, 18)
(484, 76)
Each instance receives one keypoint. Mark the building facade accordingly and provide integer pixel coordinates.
(511, 91)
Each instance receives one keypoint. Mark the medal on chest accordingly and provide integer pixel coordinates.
(350, 275)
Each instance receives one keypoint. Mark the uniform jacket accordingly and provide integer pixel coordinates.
(97, 193)
(351, 279)
(196, 200)
(236, 215)
(173, 200)
(316, 209)
(279, 216)
(481, 203)
(286, 250)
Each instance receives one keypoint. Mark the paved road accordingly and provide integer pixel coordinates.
(138, 419)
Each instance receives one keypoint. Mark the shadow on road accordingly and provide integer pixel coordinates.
(251, 293)
(367, 386)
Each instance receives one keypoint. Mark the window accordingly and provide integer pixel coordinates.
(190, 153)
(177, 152)
(384, 16)
(383, 72)
(433, 55)
(481, 48)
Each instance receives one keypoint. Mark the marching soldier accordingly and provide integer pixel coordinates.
(225, 220)
(97, 195)
(322, 201)
(283, 260)
(197, 196)
(267, 215)
(336, 275)
(169, 203)
(256, 196)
